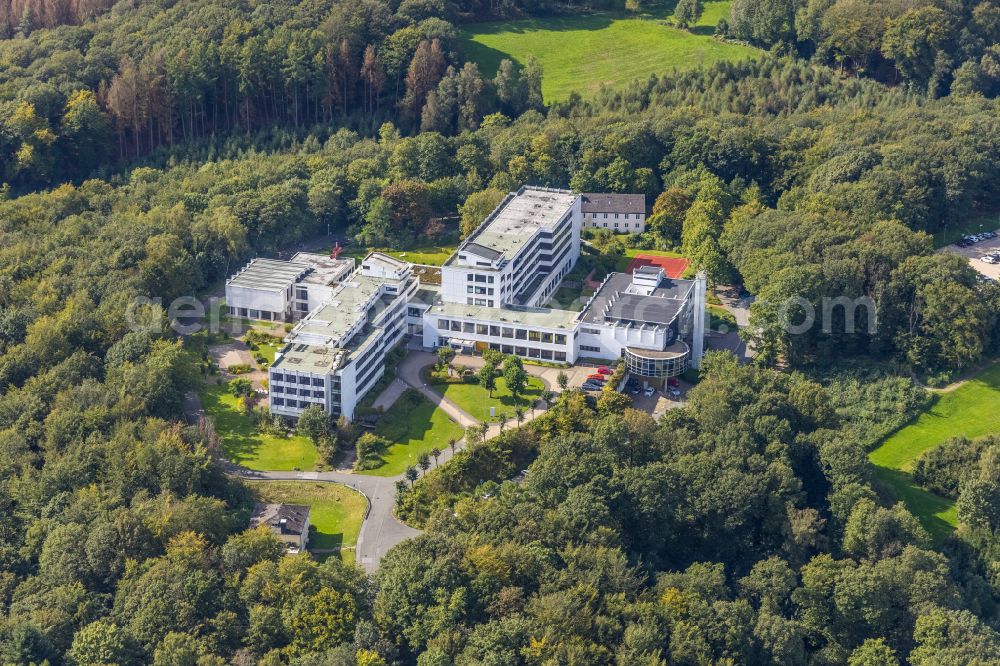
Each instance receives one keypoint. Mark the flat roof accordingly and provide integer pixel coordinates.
(541, 317)
(611, 202)
(268, 274)
(515, 221)
(347, 305)
(324, 270)
(313, 359)
(614, 302)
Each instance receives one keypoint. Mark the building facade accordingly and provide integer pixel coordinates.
(621, 213)
(492, 293)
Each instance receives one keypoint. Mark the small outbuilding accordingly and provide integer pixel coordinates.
(289, 522)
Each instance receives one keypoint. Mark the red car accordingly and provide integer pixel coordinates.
(604, 370)
(596, 378)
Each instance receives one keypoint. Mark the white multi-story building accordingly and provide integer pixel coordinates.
(490, 294)
(274, 290)
(621, 213)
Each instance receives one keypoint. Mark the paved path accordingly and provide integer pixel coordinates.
(380, 529)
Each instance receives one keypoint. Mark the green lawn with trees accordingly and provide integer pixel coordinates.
(411, 427)
(476, 400)
(335, 511)
(245, 445)
(581, 53)
(969, 411)
(429, 255)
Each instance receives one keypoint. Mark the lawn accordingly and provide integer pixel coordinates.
(969, 411)
(975, 224)
(244, 445)
(334, 510)
(414, 425)
(432, 255)
(580, 53)
(476, 401)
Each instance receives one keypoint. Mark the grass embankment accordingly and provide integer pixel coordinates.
(475, 401)
(580, 53)
(247, 447)
(973, 225)
(335, 511)
(969, 411)
(414, 425)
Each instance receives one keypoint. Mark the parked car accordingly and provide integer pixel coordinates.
(674, 392)
(596, 377)
(604, 370)
(673, 381)
(650, 391)
(592, 387)
(635, 390)
(965, 242)
(990, 258)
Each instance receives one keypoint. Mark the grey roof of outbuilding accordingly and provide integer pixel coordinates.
(611, 202)
(296, 516)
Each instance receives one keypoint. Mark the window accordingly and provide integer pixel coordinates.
(494, 346)
(481, 302)
(489, 279)
(468, 276)
(482, 329)
(489, 304)
(480, 278)
(302, 307)
(301, 294)
(265, 315)
(291, 391)
(467, 327)
(547, 354)
(521, 351)
(560, 339)
(534, 353)
(507, 333)
(456, 326)
(277, 401)
(470, 289)
(560, 356)
(277, 389)
(591, 331)
(506, 349)
(495, 331)
(468, 301)
(521, 334)
(589, 349)
(243, 312)
(534, 336)
(547, 337)
(443, 324)
(616, 216)
(317, 394)
(304, 380)
(480, 290)
(317, 381)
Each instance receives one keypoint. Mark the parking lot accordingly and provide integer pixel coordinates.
(974, 252)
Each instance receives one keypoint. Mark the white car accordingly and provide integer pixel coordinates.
(650, 391)
(990, 258)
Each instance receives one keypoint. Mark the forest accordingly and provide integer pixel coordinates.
(150, 148)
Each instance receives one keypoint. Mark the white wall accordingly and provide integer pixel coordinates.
(256, 299)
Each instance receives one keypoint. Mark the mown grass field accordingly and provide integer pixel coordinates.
(334, 510)
(244, 445)
(972, 410)
(414, 425)
(476, 401)
(581, 53)
(973, 225)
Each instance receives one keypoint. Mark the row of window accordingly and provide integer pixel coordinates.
(594, 216)
(587, 348)
(303, 392)
(625, 225)
(300, 379)
(291, 403)
(263, 315)
(501, 331)
(526, 352)
(479, 290)
(481, 302)
(476, 277)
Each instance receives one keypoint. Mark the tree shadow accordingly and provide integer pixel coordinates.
(930, 509)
